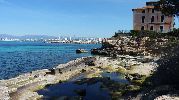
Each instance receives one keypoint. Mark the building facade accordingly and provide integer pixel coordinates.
(147, 18)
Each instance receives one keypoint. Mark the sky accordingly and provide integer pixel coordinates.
(80, 18)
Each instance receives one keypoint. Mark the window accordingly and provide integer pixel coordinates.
(143, 11)
(153, 10)
(151, 28)
(161, 28)
(142, 28)
(143, 19)
(162, 18)
(152, 19)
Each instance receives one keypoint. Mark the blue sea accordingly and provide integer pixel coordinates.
(20, 57)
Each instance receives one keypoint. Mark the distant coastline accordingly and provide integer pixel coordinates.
(75, 41)
(51, 39)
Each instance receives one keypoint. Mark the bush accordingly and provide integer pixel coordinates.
(134, 33)
(151, 34)
(121, 33)
(174, 33)
(168, 71)
(145, 33)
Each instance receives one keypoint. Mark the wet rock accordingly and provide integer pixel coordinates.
(81, 92)
(76, 98)
(61, 98)
(51, 71)
(48, 85)
(116, 95)
(129, 77)
(136, 76)
(81, 51)
(102, 86)
(83, 70)
(146, 60)
(138, 79)
(133, 88)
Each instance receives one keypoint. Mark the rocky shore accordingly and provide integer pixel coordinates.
(24, 87)
(123, 71)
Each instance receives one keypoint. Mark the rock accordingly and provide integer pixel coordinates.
(129, 77)
(99, 51)
(4, 95)
(136, 76)
(62, 98)
(81, 51)
(90, 62)
(48, 85)
(116, 95)
(83, 70)
(166, 97)
(51, 71)
(81, 92)
(76, 98)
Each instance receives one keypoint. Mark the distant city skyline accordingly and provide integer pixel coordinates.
(82, 18)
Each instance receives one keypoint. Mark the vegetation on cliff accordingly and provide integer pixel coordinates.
(168, 7)
(165, 79)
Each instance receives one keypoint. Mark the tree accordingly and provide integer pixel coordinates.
(168, 7)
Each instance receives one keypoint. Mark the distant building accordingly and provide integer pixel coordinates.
(147, 18)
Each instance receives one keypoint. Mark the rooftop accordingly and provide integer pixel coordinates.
(151, 3)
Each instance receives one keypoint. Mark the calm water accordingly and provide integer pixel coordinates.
(21, 57)
(93, 91)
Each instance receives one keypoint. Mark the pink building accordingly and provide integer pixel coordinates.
(147, 18)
